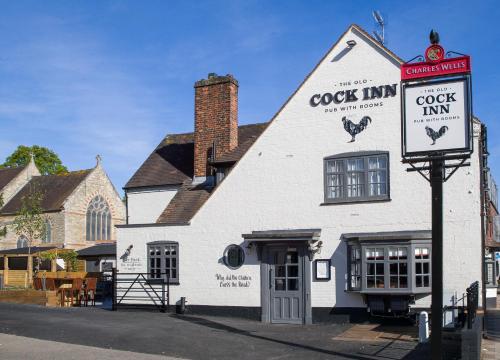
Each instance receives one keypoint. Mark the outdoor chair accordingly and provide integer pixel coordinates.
(50, 284)
(90, 288)
(76, 288)
(37, 284)
(69, 292)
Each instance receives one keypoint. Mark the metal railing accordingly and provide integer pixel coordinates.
(139, 289)
(463, 310)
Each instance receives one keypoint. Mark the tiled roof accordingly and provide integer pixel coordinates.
(55, 190)
(98, 250)
(26, 250)
(185, 203)
(7, 174)
(171, 163)
(247, 134)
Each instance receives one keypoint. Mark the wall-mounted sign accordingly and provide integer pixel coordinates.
(437, 117)
(322, 269)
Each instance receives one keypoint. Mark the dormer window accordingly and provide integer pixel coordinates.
(362, 176)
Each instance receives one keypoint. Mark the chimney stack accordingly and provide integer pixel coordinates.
(215, 121)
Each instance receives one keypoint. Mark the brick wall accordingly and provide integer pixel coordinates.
(216, 119)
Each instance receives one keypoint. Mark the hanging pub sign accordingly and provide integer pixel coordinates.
(436, 105)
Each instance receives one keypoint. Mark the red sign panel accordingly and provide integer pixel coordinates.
(458, 65)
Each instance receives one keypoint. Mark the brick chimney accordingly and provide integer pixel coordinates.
(215, 120)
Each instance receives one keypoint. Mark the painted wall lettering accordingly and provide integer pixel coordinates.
(233, 281)
(353, 95)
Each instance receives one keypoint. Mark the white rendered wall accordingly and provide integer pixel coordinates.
(278, 184)
(145, 206)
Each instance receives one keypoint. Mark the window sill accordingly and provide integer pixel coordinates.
(155, 282)
(357, 201)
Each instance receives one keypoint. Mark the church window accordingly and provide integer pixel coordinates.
(98, 220)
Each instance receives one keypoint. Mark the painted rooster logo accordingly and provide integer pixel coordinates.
(355, 129)
(434, 135)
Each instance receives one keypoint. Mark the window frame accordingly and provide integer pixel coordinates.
(344, 157)
(25, 242)
(410, 246)
(162, 257)
(226, 256)
(98, 220)
(47, 234)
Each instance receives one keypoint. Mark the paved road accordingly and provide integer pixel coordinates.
(190, 337)
(18, 347)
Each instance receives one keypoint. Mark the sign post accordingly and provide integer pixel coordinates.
(437, 179)
(437, 131)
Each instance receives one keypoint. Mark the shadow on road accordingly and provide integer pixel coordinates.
(218, 326)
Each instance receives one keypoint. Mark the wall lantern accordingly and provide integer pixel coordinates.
(315, 248)
(351, 43)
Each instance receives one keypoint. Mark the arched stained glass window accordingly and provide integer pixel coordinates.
(47, 237)
(98, 220)
(22, 242)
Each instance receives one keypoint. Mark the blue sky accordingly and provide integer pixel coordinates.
(113, 77)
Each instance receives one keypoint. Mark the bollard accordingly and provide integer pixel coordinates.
(181, 306)
(423, 327)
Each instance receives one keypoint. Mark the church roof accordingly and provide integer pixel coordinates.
(55, 189)
(8, 174)
(171, 163)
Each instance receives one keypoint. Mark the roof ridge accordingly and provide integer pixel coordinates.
(13, 167)
(74, 172)
(239, 126)
(376, 42)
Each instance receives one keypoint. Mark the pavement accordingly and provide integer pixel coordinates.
(491, 344)
(20, 347)
(490, 349)
(67, 333)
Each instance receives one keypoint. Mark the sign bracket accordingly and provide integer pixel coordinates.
(426, 169)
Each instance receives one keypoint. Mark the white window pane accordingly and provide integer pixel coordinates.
(382, 162)
(334, 166)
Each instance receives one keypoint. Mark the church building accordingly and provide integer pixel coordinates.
(80, 208)
(308, 217)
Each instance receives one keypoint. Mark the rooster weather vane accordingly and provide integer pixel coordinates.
(354, 129)
(434, 135)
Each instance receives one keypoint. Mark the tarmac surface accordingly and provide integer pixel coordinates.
(83, 333)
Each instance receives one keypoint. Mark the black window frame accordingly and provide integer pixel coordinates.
(344, 157)
(241, 256)
(171, 270)
(411, 262)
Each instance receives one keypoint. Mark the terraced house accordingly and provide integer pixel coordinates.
(308, 217)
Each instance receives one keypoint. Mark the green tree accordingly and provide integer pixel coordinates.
(30, 221)
(46, 160)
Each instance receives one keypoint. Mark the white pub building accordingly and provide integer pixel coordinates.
(308, 217)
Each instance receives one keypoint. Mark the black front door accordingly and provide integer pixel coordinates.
(286, 284)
